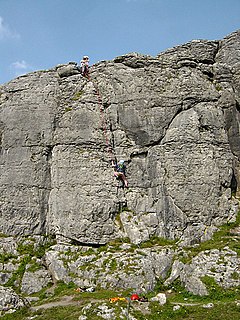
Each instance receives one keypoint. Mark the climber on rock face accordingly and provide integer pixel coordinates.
(85, 66)
(120, 171)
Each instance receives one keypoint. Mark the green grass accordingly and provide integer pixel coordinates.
(27, 246)
(224, 300)
(39, 252)
(77, 95)
(219, 240)
(225, 306)
(119, 221)
(101, 294)
(3, 235)
(67, 109)
(33, 266)
(217, 293)
(21, 314)
(28, 252)
(56, 313)
(63, 289)
(113, 245)
(16, 278)
(157, 241)
(6, 257)
(218, 312)
(218, 87)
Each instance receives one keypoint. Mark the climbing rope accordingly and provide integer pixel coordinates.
(103, 118)
(104, 127)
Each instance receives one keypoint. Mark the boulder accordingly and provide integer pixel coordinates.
(160, 298)
(35, 281)
(67, 70)
(221, 265)
(9, 300)
(137, 269)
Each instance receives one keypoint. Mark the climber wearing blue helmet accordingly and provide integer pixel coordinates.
(120, 171)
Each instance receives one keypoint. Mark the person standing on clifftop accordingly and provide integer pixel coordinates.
(120, 171)
(85, 66)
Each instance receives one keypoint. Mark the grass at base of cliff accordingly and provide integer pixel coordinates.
(224, 304)
(56, 313)
(158, 241)
(220, 304)
(195, 312)
(218, 311)
(217, 294)
(220, 239)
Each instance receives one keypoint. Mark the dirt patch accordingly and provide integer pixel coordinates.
(65, 301)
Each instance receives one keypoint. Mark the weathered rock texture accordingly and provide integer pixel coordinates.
(125, 268)
(174, 118)
(221, 265)
(9, 300)
(31, 264)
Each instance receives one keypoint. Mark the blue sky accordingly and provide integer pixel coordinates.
(39, 34)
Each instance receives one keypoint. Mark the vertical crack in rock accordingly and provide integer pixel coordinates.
(234, 184)
(47, 154)
(1, 134)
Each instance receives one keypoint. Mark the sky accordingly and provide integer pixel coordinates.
(39, 34)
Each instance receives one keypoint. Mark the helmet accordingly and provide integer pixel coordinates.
(121, 161)
(85, 57)
(134, 297)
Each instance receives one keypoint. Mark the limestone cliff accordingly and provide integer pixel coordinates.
(174, 118)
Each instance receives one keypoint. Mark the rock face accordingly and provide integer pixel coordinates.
(174, 118)
(9, 300)
(123, 269)
(34, 281)
(221, 265)
(119, 265)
